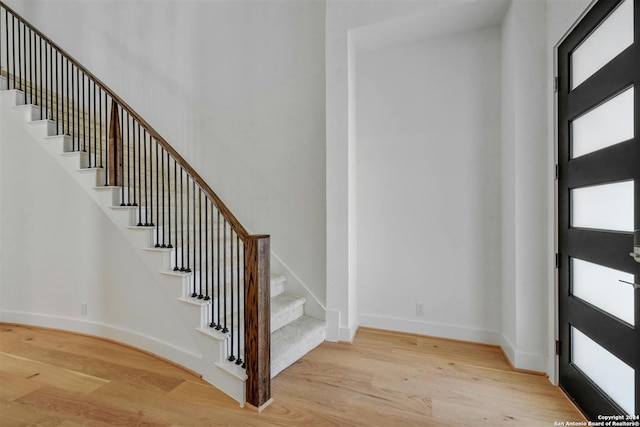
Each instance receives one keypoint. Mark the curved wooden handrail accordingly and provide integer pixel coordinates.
(224, 210)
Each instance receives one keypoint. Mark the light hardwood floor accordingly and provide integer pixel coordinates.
(55, 378)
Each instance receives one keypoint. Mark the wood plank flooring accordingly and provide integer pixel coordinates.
(55, 378)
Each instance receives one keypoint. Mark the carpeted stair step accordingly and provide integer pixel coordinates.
(285, 308)
(294, 340)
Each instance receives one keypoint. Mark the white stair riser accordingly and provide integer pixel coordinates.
(278, 320)
(43, 128)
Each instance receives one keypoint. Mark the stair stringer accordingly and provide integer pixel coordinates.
(207, 356)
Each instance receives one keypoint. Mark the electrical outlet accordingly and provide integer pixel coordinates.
(419, 309)
(83, 308)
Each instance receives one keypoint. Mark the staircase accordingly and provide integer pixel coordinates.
(211, 295)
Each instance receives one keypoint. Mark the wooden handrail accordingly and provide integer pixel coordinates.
(236, 225)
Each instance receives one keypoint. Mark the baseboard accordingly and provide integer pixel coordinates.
(347, 334)
(333, 325)
(430, 328)
(181, 357)
(335, 332)
(508, 349)
(522, 361)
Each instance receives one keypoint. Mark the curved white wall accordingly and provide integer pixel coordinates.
(60, 250)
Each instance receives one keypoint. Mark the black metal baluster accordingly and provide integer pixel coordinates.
(50, 85)
(58, 95)
(218, 326)
(213, 266)
(122, 163)
(13, 49)
(126, 147)
(21, 84)
(72, 109)
(140, 223)
(93, 120)
(106, 138)
(86, 116)
(22, 48)
(187, 269)
(46, 83)
(169, 245)
(164, 224)
(158, 223)
(6, 43)
(224, 272)
(206, 248)
(195, 237)
(193, 290)
(200, 294)
(22, 61)
(136, 189)
(241, 324)
(131, 159)
(175, 198)
(181, 222)
(152, 224)
(67, 118)
(32, 88)
(231, 356)
(76, 109)
(84, 119)
(130, 171)
(33, 57)
(106, 134)
(146, 187)
(40, 77)
(72, 112)
(99, 124)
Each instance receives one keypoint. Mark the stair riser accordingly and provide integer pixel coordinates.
(281, 319)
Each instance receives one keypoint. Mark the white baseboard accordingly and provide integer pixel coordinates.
(508, 348)
(530, 362)
(521, 359)
(347, 334)
(333, 325)
(430, 329)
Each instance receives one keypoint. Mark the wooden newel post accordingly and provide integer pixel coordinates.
(257, 320)
(115, 148)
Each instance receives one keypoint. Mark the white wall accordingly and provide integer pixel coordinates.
(353, 25)
(525, 172)
(428, 186)
(238, 87)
